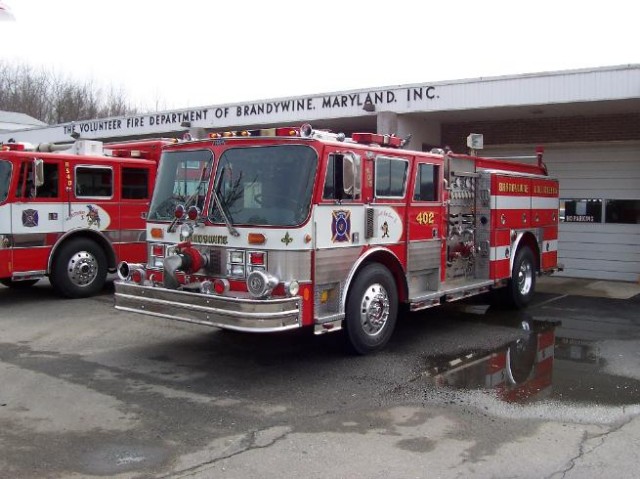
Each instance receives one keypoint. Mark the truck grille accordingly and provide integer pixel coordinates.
(216, 264)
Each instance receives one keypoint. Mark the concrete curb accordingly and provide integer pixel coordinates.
(587, 287)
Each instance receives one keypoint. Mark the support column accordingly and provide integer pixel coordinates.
(387, 123)
(423, 131)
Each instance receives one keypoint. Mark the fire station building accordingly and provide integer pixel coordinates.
(588, 122)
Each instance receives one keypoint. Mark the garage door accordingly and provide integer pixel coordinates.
(599, 233)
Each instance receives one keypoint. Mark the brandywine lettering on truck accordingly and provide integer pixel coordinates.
(284, 228)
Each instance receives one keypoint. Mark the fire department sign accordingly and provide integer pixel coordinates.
(341, 226)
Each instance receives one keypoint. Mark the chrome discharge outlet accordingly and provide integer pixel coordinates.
(125, 269)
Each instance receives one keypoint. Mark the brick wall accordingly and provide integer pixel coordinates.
(544, 130)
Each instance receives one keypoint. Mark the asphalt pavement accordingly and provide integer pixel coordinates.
(463, 390)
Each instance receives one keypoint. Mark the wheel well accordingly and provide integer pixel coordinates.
(529, 240)
(103, 242)
(390, 262)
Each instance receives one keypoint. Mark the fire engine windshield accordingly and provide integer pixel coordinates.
(5, 179)
(183, 178)
(269, 185)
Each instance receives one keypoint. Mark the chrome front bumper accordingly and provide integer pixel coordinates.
(237, 313)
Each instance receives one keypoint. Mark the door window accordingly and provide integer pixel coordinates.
(391, 177)
(94, 182)
(135, 183)
(427, 178)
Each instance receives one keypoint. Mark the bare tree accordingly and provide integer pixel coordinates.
(52, 98)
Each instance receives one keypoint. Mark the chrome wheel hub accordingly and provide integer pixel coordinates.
(82, 268)
(525, 278)
(374, 309)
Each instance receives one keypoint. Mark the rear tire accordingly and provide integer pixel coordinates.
(371, 310)
(79, 269)
(521, 356)
(521, 288)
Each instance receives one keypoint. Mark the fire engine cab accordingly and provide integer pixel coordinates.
(73, 212)
(277, 229)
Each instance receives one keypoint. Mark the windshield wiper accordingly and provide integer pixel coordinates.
(203, 178)
(216, 200)
(218, 204)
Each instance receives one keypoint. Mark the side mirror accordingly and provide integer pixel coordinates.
(38, 172)
(351, 175)
(338, 177)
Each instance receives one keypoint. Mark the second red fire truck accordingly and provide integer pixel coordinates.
(272, 230)
(73, 212)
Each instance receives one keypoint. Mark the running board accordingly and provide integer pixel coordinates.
(28, 275)
(450, 294)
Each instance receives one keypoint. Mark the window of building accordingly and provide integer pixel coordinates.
(583, 210)
(135, 183)
(94, 181)
(391, 177)
(622, 211)
(427, 177)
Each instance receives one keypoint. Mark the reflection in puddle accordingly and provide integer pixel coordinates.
(518, 372)
(543, 364)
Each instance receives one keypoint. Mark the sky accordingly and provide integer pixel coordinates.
(188, 53)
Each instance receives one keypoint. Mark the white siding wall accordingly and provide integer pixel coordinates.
(607, 171)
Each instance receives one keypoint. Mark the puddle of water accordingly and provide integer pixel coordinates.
(537, 366)
(112, 459)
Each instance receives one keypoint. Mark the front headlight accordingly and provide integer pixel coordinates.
(292, 287)
(236, 257)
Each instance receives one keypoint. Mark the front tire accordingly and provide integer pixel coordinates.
(79, 269)
(521, 288)
(371, 310)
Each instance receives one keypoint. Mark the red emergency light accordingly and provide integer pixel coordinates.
(14, 147)
(377, 139)
(123, 153)
(193, 212)
(256, 258)
(280, 131)
(179, 211)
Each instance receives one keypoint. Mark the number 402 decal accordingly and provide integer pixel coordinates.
(426, 218)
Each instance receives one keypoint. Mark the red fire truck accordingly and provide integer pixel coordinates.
(310, 228)
(72, 212)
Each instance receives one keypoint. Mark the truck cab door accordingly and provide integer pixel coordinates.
(135, 186)
(426, 231)
(339, 219)
(36, 216)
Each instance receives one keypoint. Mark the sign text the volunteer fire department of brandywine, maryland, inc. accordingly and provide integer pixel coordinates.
(209, 117)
